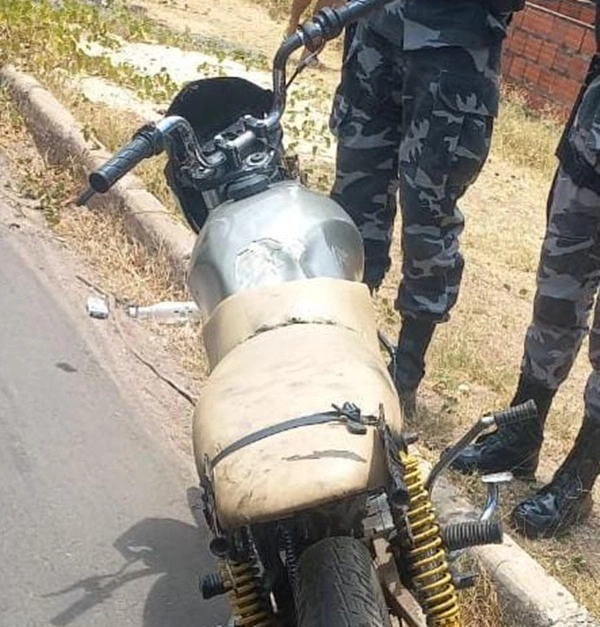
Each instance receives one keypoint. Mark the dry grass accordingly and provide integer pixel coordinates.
(120, 262)
(574, 561)
(480, 604)
(526, 138)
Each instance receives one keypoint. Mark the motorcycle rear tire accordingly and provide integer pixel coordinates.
(338, 586)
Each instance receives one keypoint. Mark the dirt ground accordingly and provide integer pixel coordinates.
(245, 24)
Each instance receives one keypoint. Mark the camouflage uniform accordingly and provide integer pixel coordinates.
(569, 268)
(414, 112)
(567, 285)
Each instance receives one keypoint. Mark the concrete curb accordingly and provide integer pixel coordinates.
(58, 137)
(530, 596)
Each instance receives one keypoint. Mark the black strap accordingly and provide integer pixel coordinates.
(348, 413)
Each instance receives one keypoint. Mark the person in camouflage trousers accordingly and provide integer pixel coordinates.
(414, 114)
(567, 285)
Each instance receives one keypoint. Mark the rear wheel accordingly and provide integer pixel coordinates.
(338, 586)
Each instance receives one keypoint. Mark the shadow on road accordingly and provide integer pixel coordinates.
(169, 550)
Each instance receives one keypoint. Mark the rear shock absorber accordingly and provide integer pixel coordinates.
(427, 563)
(249, 602)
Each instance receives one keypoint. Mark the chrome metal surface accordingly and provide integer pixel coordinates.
(493, 482)
(283, 234)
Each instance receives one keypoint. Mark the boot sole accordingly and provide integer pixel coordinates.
(517, 473)
(523, 475)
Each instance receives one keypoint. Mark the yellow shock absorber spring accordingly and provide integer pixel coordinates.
(250, 605)
(428, 566)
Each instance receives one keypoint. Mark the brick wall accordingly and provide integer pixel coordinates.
(582, 10)
(548, 50)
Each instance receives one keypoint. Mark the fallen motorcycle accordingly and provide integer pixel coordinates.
(320, 515)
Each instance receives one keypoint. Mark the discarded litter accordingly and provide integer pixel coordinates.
(168, 312)
(97, 307)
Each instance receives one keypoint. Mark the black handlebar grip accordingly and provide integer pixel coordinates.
(357, 9)
(517, 414)
(329, 23)
(138, 149)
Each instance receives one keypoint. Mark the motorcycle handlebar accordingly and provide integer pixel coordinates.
(327, 24)
(126, 159)
(145, 143)
(150, 139)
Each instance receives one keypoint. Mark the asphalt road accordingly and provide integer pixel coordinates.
(95, 526)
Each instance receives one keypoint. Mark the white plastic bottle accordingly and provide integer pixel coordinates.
(169, 312)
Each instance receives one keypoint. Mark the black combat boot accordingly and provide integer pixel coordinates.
(515, 448)
(567, 499)
(413, 341)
